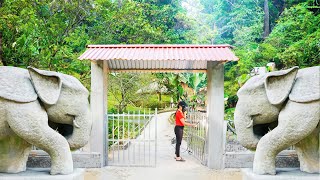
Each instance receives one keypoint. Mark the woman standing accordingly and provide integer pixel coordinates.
(178, 129)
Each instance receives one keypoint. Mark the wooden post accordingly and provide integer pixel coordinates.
(215, 113)
(98, 107)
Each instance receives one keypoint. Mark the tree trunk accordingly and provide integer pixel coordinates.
(119, 3)
(1, 50)
(159, 96)
(266, 20)
(2, 61)
(280, 4)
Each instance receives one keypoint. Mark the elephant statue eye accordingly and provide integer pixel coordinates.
(253, 117)
(72, 116)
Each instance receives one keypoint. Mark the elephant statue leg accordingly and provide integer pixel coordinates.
(30, 122)
(14, 153)
(296, 122)
(308, 152)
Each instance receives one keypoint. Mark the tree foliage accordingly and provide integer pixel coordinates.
(45, 34)
(293, 41)
(52, 34)
(296, 38)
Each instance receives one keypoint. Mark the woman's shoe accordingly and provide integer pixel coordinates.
(181, 160)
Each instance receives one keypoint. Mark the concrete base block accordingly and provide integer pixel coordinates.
(285, 159)
(43, 174)
(282, 174)
(40, 159)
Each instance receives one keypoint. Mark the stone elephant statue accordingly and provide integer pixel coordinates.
(277, 110)
(47, 109)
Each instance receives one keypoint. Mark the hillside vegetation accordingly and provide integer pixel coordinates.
(52, 35)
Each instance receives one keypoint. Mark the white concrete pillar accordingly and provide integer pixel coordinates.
(98, 108)
(105, 104)
(215, 113)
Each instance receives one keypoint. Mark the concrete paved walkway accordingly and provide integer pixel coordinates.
(167, 168)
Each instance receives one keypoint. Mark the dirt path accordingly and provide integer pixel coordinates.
(167, 168)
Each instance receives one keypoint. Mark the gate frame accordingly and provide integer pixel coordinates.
(215, 95)
(215, 112)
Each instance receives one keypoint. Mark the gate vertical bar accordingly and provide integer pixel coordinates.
(134, 142)
(118, 138)
(156, 137)
(129, 140)
(122, 137)
(149, 139)
(144, 142)
(139, 140)
(113, 137)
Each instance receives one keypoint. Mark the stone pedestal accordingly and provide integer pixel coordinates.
(244, 159)
(42, 174)
(41, 159)
(282, 174)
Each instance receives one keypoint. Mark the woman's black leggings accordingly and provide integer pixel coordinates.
(178, 130)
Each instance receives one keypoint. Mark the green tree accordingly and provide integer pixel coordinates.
(134, 23)
(123, 88)
(48, 35)
(296, 37)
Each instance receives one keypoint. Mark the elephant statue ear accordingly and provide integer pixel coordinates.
(278, 84)
(307, 85)
(47, 85)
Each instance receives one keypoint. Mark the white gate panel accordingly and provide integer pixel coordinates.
(132, 139)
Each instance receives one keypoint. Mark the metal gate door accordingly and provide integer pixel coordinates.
(197, 137)
(132, 139)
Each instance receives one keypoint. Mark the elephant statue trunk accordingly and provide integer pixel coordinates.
(244, 124)
(81, 131)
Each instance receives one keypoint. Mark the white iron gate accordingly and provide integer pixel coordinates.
(132, 139)
(197, 137)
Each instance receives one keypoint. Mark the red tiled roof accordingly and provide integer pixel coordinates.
(151, 56)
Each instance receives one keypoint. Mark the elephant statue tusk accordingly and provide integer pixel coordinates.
(250, 124)
(76, 124)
